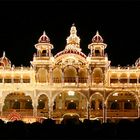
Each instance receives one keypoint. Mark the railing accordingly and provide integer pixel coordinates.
(122, 113)
(82, 113)
(70, 79)
(22, 112)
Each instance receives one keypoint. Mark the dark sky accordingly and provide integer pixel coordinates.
(22, 22)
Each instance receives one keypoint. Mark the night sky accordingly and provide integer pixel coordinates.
(23, 22)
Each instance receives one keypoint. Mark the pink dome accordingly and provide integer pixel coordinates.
(97, 38)
(44, 38)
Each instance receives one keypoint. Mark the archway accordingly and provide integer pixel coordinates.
(97, 76)
(122, 104)
(96, 105)
(42, 75)
(83, 75)
(70, 102)
(57, 75)
(70, 74)
(18, 101)
(42, 108)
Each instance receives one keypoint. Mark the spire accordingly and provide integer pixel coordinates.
(97, 33)
(3, 54)
(73, 38)
(44, 38)
(44, 33)
(97, 38)
(73, 30)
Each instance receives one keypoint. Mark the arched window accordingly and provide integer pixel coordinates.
(16, 105)
(114, 105)
(127, 105)
(71, 105)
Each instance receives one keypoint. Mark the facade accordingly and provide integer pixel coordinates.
(70, 83)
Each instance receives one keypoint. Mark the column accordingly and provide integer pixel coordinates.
(77, 76)
(50, 104)
(1, 106)
(35, 104)
(51, 75)
(62, 77)
(88, 110)
(104, 113)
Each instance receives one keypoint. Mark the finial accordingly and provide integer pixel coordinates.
(3, 54)
(97, 32)
(44, 33)
(73, 29)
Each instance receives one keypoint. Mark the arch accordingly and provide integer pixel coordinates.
(42, 93)
(114, 78)
(8, 78)
(123, 78)
(42, 102)
(133, 78)
(42, 75)
(96, 103)
(70, 74)
(83, 75)
(16, 100)
(57, 75)
(96, 93)
(97, 75)
(17, 78)
(135, 96)
(60, 92)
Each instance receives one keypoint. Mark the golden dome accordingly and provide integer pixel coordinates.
(73, 38)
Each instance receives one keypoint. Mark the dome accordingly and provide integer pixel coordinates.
(70, 52)
(44, 38)
(73, 38)
(4, 61)
(97, 38)
(137, 63)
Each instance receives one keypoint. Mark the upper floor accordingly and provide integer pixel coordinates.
(70, 66)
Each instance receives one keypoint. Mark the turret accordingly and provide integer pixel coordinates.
(97, 46)
(44, 46)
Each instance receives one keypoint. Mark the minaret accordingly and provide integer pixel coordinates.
(97, 46)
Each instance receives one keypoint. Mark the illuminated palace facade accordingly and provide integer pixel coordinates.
(70, 83)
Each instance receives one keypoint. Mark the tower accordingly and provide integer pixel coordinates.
(97, 59)
(97, 46)
(43, 59)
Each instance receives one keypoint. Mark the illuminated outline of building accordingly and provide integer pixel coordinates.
(70, 83)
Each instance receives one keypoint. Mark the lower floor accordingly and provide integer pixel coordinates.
(94, 105)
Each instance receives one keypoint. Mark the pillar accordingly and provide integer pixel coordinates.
(104, 113)
(35, 104)
(51, 75)
(1, 106)
(62, 77)
(50, 112)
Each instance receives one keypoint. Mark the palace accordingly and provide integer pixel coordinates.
(70, 83)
